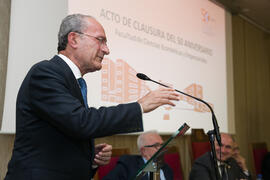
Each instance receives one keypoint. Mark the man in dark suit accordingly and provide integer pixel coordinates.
(229, 169)
(55, 128)
(128, 165)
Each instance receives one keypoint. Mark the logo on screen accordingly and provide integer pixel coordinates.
(207, 22)
(205, 16)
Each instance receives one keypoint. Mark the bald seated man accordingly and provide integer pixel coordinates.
(229, 169)
(55, 127)
(128, 165)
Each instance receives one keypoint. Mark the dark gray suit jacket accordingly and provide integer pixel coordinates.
(127, 167)
(54, 130)
(203, 169)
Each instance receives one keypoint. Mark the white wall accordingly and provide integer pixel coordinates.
(34, 26)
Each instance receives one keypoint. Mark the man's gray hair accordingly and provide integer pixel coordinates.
(71, 23)
(141, 139)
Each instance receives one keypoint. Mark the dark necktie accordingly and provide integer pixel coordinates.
(83, 87)
(224, 175)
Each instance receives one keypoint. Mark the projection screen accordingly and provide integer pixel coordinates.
(181, 43)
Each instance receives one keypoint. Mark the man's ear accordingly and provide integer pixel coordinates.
(72, 39)
(142, 150)
(143, 153)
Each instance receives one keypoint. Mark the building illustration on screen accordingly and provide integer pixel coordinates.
(119, 84)
(197, 91)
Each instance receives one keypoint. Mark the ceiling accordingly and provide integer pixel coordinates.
(255, 11)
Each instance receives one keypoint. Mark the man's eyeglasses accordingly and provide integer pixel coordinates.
(156, 145)
(226, 146)
(102, 41)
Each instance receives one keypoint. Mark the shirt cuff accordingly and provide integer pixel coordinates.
(246, 173)
(141, 108)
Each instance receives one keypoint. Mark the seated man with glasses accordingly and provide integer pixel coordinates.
(229, 168)
(128, 165)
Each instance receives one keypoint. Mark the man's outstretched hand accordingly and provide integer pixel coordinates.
(159, 97)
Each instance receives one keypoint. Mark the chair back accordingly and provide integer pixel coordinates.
(259, 150)
(199, 143)
(172, 158)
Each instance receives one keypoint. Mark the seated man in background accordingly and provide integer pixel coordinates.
(128, 165)
(229, 168)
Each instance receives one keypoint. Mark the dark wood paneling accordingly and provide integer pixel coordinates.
(251, 85)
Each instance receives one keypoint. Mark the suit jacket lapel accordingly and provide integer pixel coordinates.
(71, 81)
(210, 165)
(166, 171)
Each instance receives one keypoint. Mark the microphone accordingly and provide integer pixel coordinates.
(214, 120)
(143, 76)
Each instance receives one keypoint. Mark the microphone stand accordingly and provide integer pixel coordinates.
(211, 136)
(211, 133)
